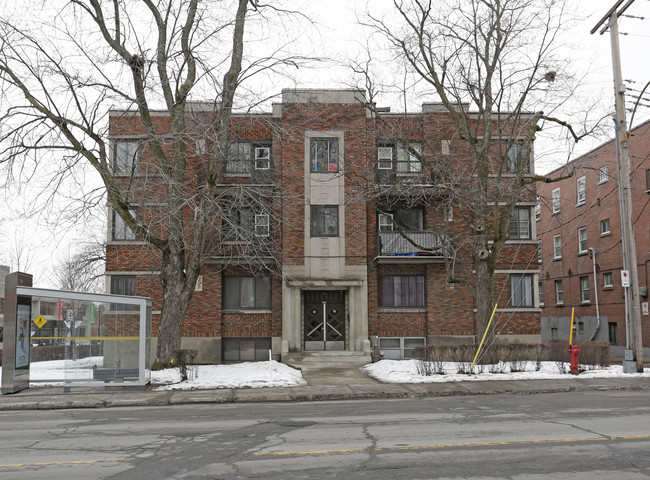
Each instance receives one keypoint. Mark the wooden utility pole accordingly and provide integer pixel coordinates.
(633, 310)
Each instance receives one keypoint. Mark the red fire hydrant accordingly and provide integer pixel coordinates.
(575, 353)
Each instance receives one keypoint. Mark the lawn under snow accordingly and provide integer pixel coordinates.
(406, 371)
(275, 374)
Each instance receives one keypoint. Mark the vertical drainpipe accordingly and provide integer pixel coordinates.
(593, 257)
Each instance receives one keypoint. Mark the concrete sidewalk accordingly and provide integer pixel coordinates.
(47, 398)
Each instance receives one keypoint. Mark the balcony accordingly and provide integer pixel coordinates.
(394, 248)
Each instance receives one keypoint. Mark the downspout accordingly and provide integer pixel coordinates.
(592, 250)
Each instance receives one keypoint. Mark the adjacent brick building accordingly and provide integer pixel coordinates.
(579, 228)
(297, 241)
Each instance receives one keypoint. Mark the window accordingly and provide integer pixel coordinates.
(246, 349)
(613, 336)
(398, 348)
(401, 291)
(513, 159)
(120, 230)
(581, 189)
(126, 156)
(262, 158)
(123, 285)
(324, 155)
(647, 180)
(408, 159)
(559, 292)
(246, 292)
(555, 200)
(582, 240)
(385, 158)
(519, 228)
(241, 224)
(409, 219)
(243, 156)
(385, 222)
(521, 290)
(557, 247)
(604, 227)
(239, 158)
(538, 210)
(607, 280)
(262, 227)
(540, 289)
(445, 147)
(602, 174)
(539, 252)
(584, 290)
(324, 221)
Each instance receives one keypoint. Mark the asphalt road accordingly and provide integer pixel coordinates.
(590, 435)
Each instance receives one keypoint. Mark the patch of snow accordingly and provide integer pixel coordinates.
(406, 371)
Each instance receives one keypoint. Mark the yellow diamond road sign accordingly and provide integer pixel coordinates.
(40, 321)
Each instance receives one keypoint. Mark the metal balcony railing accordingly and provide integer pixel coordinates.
(434, 243)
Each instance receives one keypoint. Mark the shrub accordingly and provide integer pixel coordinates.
(184, 360)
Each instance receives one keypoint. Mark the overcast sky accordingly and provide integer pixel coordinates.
(338, 33)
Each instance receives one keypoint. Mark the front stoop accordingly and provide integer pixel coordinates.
(319, 360)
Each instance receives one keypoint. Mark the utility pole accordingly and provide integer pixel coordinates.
(634, 349)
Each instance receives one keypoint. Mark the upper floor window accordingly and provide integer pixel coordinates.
(409, 219)
(581, 189)
(585, 296)
(607, 280)
(243, 157)
(519, 228)
(557, 247)
(540, 289)
(604, 227)
(582, 240)
(555, 200)
(559, 292)
(123, 285)
(126, 156)
(538, 210)
(324, 221)
(402, 159)
(246, 292)
(324, 155)
(647, 180)
(521, 290)
(401, 291)
(241, 224)
(120, 230)
(514, 159)
(603, 175)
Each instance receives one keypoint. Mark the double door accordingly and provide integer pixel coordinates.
(324, 320)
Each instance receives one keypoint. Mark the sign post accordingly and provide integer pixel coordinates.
(17, 328)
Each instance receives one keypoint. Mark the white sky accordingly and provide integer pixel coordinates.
(338, 34)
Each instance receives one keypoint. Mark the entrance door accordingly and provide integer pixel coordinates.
(324, 320)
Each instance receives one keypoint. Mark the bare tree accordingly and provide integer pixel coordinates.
(61, 79)
(82, 271)
(494, 67)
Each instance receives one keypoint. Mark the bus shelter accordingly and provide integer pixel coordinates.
(85, 339)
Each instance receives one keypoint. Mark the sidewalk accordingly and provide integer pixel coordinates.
(49, 398)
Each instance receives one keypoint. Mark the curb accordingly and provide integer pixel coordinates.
(150, 398)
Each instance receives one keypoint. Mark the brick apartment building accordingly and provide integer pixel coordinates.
(579, 228)
(299, 257)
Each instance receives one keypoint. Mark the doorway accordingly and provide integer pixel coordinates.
(324, 320)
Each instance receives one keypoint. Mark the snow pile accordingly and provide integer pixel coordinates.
(406, 371)
(240, 375)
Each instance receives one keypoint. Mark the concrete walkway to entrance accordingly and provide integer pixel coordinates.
(340, 375)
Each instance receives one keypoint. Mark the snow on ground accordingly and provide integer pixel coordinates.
(275, 374)
(240, 375)
(406, 371)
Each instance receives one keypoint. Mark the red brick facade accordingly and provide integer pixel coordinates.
(598, 218)
(353, 262)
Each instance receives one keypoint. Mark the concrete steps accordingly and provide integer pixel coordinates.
(320, 360)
